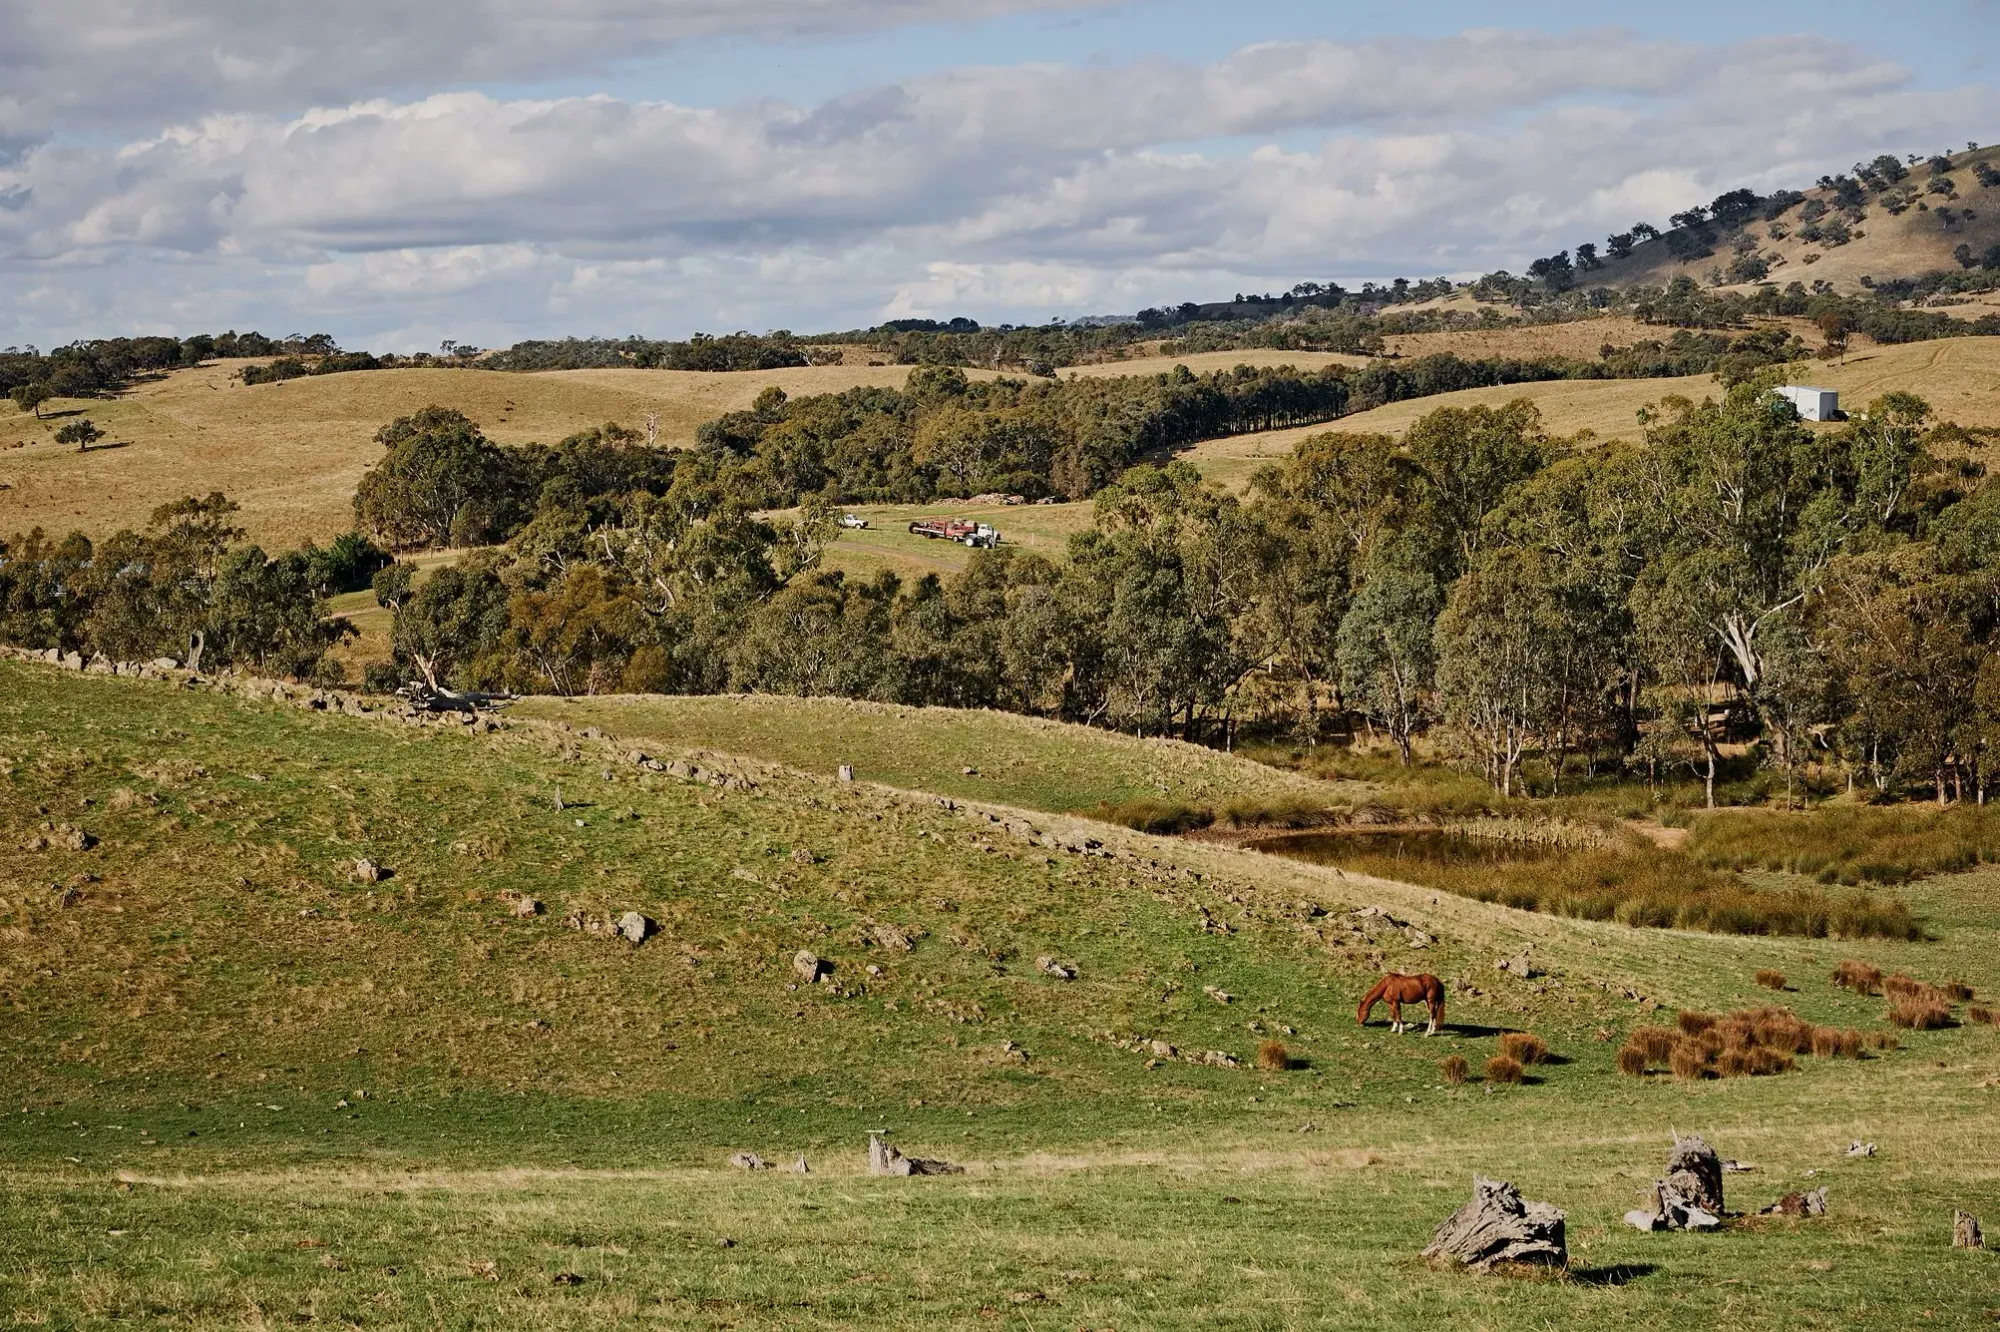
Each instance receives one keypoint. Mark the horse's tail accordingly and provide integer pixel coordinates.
(1435, 994)
(1369, 1000)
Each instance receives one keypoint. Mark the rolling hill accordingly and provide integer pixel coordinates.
(240, 1078)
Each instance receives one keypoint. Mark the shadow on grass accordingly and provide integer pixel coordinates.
(1618, 1274)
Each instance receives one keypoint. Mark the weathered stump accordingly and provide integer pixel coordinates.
(1498, 1227)
(886, 1160)
(1690, 1197)
(1965, 1232)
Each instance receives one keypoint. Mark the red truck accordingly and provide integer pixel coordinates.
(962, 530)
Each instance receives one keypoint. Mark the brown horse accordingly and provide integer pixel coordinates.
(1399, 989)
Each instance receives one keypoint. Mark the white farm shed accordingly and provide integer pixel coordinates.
(1813, 404)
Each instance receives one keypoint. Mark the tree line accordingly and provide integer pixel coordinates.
(1535, 607)
(189, 588)
(1477, 587)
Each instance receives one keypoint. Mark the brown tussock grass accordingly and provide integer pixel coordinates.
(1500, 1069)
(1524, 1047)
(1656, 1042)
(1632, 1061)
(1858, 976)
(1453, 1069)
(1273, 1057)
(1920, 1013)
(1693, 1024)
(1771, 980)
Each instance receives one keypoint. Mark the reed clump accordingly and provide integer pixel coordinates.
(1524, 1047)
(1454, 1070)
(1850, 845)
(1632, 1060)
(1500, 1069)
(1771, 980)
(1661, 889)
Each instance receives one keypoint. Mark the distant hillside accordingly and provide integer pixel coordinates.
(1849, 232)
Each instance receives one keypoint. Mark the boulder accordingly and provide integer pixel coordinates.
(847, 772)
(892, 937)
(1861, 1149)
(803, 856)
(636, 928)
(808, 966)
(1497, 1227)
(748, 1161)
(528, 906)
(1050, 967)
(367, 871)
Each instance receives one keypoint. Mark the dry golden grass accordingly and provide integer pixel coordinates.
(291, 453)
(1959, 377)
(1582, 338)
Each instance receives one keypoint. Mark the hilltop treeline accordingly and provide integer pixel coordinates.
(105, 365)
(734, 351)
(945, 435)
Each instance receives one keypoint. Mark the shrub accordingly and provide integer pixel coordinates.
(1689, 1060)
(1771, 980)
(1524, 1047)
(1632, 1061)
(1503, 1070)
(1920, 1013)
(1978, 1014)
(1657, 1042)
(1695, 1023)
(1453, 1069)
(1273, 1057)
(1858, 976)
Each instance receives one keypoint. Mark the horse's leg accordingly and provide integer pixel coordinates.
(1437, 1015)
(1396, 1016)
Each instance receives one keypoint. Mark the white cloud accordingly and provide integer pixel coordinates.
(1006, 192)
(120, 63)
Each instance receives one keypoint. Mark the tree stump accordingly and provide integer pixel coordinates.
(1497, 1227)
(1691, 1194)
(886, 1160)
(1965, 1233)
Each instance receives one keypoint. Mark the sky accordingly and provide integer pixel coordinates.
(486, 171)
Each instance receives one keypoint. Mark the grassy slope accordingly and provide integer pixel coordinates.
(1021, 761)
(186, 994)
(1959, 377)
